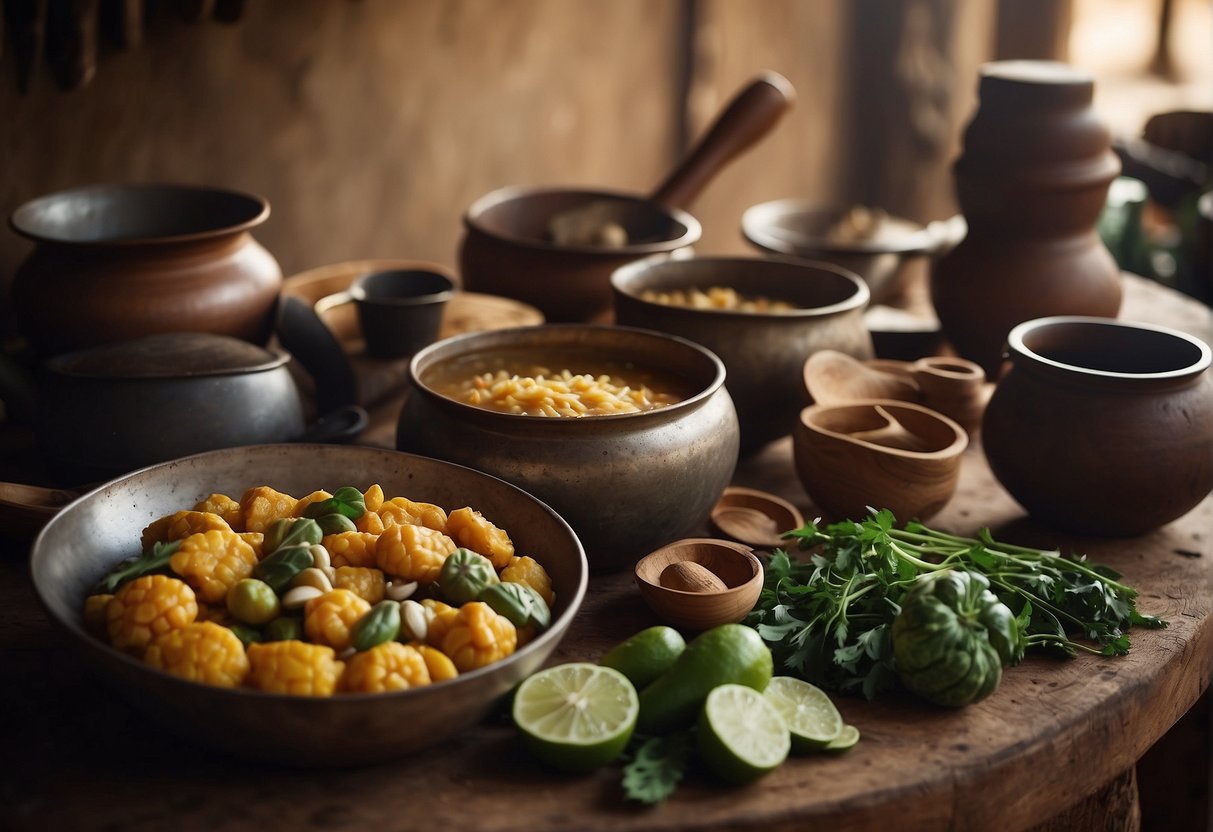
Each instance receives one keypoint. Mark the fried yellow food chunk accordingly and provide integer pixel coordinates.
(225, 507)
(254, 539)
(472, 531)
(215, 613)
(294, 667)
(201, 652)
(329, 618)
(180, 525)
(370, 523)
(441, 616)
(527, 570)
(438, 663)
(261, 506)
(212, 562)
(385, 667)
(478, 636)
(367, 583)
(414, 553)
(372, 498)
(148, 607)
(403, 511)
(314, 497)
(351, 548)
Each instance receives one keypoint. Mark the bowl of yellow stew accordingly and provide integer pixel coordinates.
(309, 604)
(629, 434)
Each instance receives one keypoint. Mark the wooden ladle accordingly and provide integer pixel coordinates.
(833, 377)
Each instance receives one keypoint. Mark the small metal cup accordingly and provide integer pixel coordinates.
(399, 311)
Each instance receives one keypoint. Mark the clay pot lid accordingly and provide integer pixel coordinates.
(1036, 83)
(754, 517)
(168, 355)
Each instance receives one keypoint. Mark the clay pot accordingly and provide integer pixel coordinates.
(138, 260)
(878, 453)
(1103, 427)
(626, 482)
(1031, 182)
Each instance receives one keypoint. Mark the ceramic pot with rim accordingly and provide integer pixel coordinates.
(1103, 427)
(119, 261)
(1031, 182)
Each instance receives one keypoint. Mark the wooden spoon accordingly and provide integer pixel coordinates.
(747, 118)
(832, 377)
(755, 517)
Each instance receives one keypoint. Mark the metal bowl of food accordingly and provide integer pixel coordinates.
(629, 434)
(99, 530)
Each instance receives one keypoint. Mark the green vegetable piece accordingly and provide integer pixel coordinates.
(520, 604)
(657, 766)
(247, 635)
(952, 638)
(347, 501)
(379, 625)
(464, 576)
(280, 568)
(254, 602)
(150, 561)
(335, 524)
(290, 531)
(284, 628)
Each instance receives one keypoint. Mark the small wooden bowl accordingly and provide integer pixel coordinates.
(734, 563)
(754, 517)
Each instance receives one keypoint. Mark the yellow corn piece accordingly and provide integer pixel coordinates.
(367, 584)
(261, 506)
(403, 511)
(225, 507)
(527, 570)
(438, 663)
(351, 548)
(94, 613)
(472, 531)
(441, 617)
(387, 666)
(294, 667)
(201, 652)
(478, 636)
(414, 553)
(215, 613)
(370, 523)
(212, 562)
(148, 607)
(254, 539)
(373, 498)
(329, 618)
(314, 497)
(181, 525)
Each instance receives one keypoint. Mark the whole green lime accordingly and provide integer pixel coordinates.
(646, 655)
(728, 654)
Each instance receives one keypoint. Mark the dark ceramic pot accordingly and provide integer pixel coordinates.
(1103, 427)
(115, 262)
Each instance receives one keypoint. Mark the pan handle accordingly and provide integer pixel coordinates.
(747, 118)
(340, 425)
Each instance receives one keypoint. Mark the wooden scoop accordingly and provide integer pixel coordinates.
(832, 377)
(746, 119)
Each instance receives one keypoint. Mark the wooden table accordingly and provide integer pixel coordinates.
(1056, 744)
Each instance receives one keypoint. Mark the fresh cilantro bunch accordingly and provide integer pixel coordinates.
(828, 618)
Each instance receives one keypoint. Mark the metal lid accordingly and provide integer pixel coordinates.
(169, 355)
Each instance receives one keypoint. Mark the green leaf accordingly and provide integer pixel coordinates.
(150, 561)
(656, 768)
(346, 500)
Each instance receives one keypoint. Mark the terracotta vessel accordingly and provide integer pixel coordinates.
(1103, 427)
(1031, 182)
(143, 259)
(880, 453)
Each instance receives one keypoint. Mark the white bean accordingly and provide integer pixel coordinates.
(320, 556)
(300, 595)
(400, 592)
(414, 620)
(313, 577)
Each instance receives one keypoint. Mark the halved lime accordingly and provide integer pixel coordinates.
(646, 655)
(845, 741)
(741, 735)
(576, 716)
(810, 715)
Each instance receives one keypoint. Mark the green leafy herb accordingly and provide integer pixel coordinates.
(828, 618)
(346, 500)
(291, 531)
(280, 568)
(157, 557)
(656, 767)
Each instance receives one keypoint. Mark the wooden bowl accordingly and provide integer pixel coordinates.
(83, 541)
(734, 563)
(878, 453)
(754, 517)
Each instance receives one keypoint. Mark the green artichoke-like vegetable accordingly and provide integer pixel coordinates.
(465, 574)
(953, 637)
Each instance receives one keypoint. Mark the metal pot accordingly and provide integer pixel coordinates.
(114, 408)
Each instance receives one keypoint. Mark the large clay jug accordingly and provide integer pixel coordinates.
(114, 262)
(1031, 182)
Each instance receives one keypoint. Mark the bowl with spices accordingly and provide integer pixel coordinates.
(762, 316)
(313, 605)
(629, 434)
